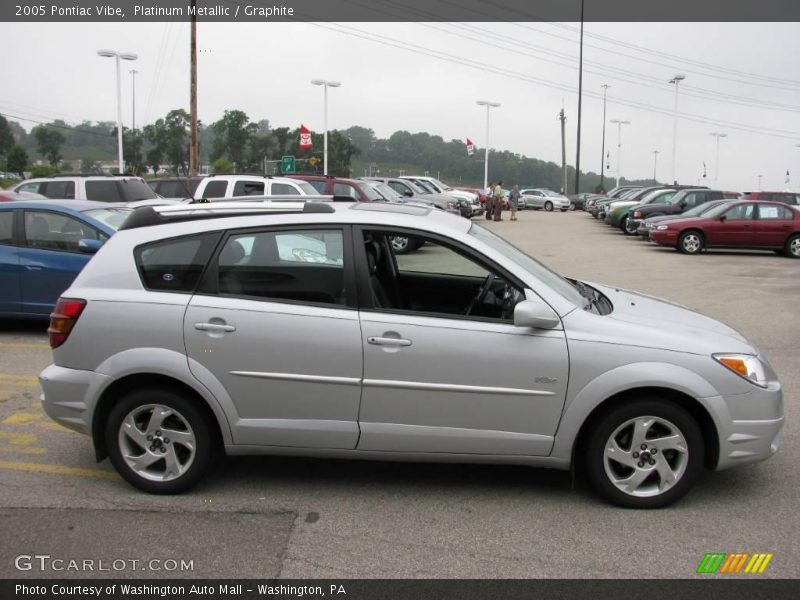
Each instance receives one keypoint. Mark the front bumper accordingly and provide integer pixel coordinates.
(665, 238)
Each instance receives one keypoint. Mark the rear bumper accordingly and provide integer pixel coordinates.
(68, 396)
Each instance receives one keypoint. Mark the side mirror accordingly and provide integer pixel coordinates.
(534, 313)
(723, 218)
(89, 246)
(408, 193)
(682, 204)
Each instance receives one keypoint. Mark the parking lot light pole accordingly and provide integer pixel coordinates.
(655, 164)
(488, 106)
(605, 87)
(759, 182)
(619, 125)
(675, 80)
(716, 162)
(325, 84)
(118, 56)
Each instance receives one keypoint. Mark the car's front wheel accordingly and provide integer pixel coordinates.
(690, 242)
(159, 441)
(629, 228)
(645, 454)
(793, 247)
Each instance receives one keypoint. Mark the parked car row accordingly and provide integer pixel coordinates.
(693, 219)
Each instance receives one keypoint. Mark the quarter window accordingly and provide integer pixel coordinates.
(215, 189)
(104, 191)
(294, 265)
(284, 189)
(248, 188)
(174, 265)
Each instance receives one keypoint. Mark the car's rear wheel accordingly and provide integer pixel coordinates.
(159, 441)
(645, 454)
(793, 247)
(691, 242)
(572, 206)
(548, 206)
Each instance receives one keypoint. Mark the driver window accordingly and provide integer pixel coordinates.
(741, 212)
(420, 274)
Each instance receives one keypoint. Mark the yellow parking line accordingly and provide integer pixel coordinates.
(56, 469)
(19, 438)
(9, 379)
(37, 450)
(21, 418)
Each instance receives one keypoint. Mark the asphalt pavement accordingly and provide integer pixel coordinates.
(298, 518)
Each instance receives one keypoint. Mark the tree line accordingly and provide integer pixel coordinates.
(235, 143)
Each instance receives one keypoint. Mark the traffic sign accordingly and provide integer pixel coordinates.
(287, 164)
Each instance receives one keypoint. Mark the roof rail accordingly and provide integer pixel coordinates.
(261, 175)
(56, 175)
(147, 216)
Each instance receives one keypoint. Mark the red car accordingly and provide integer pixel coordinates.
(747, 224)
(792, 198)
(341, 187)
(9, 196)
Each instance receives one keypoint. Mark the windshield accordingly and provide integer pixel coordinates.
(112, 217)
(415, 187)
(658, 195)
(132, 190)
(370, 192)
(426, 187)
(701, 209)
(308, 189)
(440, 185)
(388, 193)
(535, 268)
(717, 210)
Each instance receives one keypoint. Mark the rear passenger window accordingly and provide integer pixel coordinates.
(248, 188)
(772, 212)
(6, 226)
(174, 265)
(284, 189)
(302, 265)
(320, 186)
(104, 191)
(59, 189)
(53, 231)
(215, 189)
(343, 189)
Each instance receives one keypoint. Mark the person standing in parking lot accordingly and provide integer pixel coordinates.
(489, 202)
(513, 201)
(498, 196)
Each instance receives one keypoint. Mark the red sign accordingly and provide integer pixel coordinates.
(305, 138)
(470, 147)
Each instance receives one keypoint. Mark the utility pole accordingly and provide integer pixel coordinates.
(619, 125)
(562, 117)
(605, 87)
(580, 98)
(716, 161)
(655, 164)
(133, 73)
(193, 147)
(675, 81)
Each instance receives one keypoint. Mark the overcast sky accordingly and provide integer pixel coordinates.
(741, 79)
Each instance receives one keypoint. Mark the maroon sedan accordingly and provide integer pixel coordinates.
(754, 225)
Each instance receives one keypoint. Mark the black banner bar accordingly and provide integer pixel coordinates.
(401, 10)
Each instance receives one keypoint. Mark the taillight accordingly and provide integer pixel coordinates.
(63, 319)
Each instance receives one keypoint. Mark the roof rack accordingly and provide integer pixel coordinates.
(147, 216)
(56, 175)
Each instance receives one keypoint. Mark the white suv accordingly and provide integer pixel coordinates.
(103, 188)
(232, 186)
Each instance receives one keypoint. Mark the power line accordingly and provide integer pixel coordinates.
(67, 127)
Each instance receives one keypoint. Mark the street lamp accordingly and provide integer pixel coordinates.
(118, 56)
(619, 125)
(675, 80)
(488, 105)
(655, 164)
(325, 84)
(716, 163)
(759, 182)
(605, 87)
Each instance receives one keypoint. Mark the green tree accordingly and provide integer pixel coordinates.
(89, 165)
(232, 135)
(132, 150)
(49, 142)
(169, 141)
(6, 136)
(222, 166)
(17, 159)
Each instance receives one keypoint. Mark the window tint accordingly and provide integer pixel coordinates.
(59, 189)
(281, 189)
(6, 226)
(104, 191)
(345, 189)
(215, 189)
(174, 265)
(248, 188)
(321, 187)
(53, 231)
(398, 187)
(692, 200)
(774, 213)
(740, 212)
(304, 266)
(29, 187)
(174, 189)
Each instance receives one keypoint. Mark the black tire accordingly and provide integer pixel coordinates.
(689, 464)
(691, 242)
(185, 417)
(624, 226)
(548, 206)
(792, 247)
(564, 210)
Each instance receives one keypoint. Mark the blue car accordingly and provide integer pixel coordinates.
(44, 245)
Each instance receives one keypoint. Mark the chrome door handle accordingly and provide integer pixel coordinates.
(387, 341)
(34, 267)
(213, 327)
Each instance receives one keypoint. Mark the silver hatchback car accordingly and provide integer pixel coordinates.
(296, 329)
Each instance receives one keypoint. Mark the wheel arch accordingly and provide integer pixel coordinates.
(135, 381)
(679, 398)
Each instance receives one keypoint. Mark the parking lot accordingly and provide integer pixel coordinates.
(297, 518)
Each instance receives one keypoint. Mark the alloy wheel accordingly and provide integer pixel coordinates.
(691, 243)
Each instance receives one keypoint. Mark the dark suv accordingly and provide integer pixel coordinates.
(176, 187)
(341, 187)
(679, 203)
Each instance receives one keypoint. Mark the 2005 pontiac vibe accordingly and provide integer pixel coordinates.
(293, 328)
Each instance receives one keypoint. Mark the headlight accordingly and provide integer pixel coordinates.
(637, 215)
(746, 366)
(660, 227)
(451, 204)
